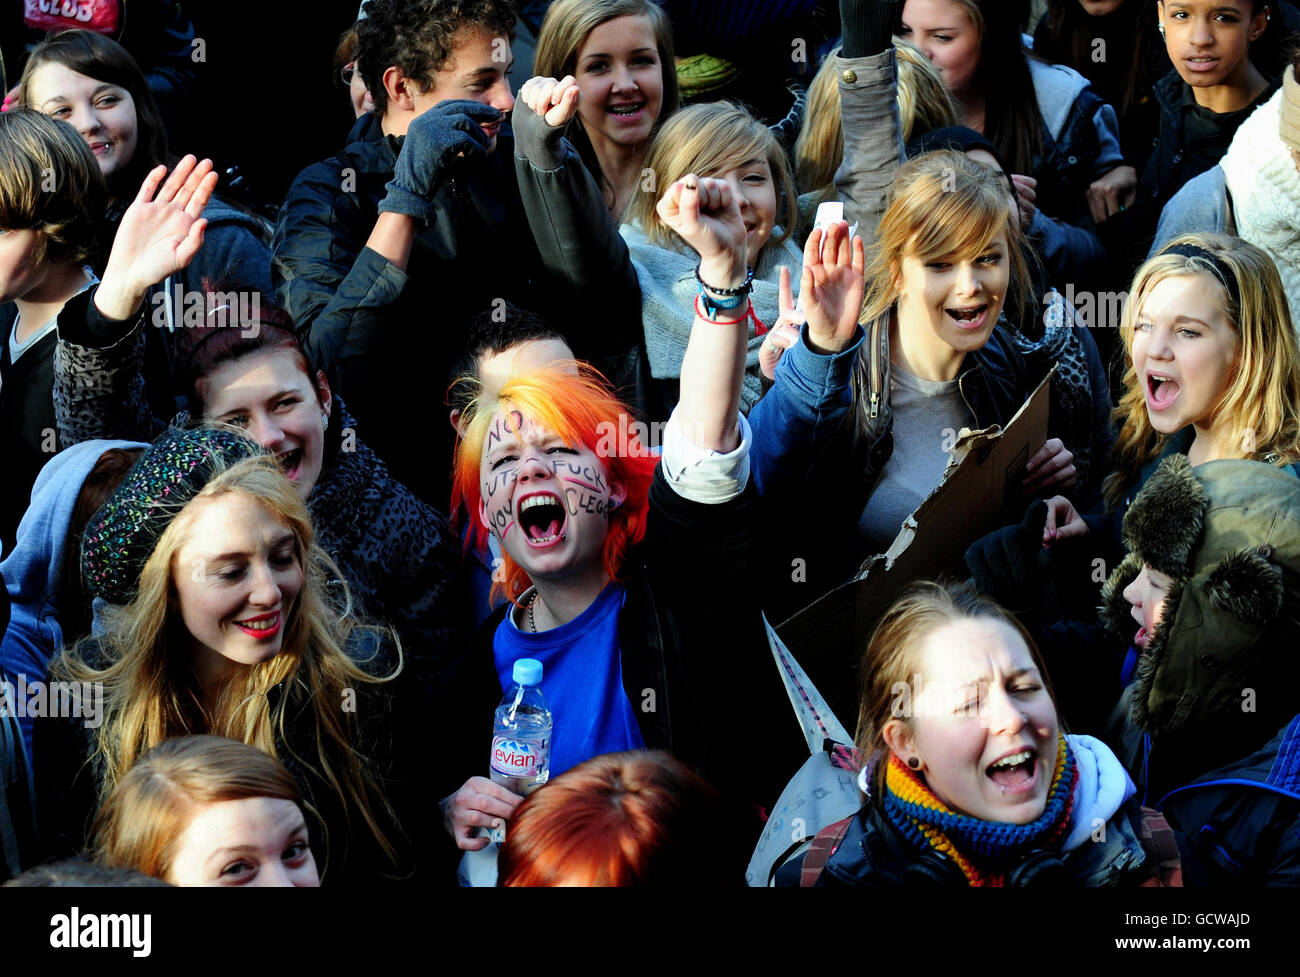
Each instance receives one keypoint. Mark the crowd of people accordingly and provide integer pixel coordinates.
(712, 285)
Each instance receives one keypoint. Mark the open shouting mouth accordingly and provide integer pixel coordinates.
(971, 318)
(542, 518)
(1162, 390)
(1016, 772)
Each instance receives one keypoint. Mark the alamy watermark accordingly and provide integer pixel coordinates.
(53, 700)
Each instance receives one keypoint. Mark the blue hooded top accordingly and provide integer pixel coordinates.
(32, 572)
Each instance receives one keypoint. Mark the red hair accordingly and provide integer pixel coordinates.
(622, 819)
(582, 409)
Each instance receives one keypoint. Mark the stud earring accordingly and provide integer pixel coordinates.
(914, 762)
(1161, 29)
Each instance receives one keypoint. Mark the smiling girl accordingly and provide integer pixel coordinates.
(92, 83)
(619, 54)
(207, 811)
(222, 624)
(395, 550)
(969, 778)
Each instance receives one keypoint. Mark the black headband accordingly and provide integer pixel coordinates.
(1221, 268)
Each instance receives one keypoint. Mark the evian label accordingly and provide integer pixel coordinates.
(519, 758)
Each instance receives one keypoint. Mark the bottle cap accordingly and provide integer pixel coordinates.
(528, 671)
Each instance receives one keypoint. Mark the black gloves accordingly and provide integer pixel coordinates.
(433, 140)
(1010, 564)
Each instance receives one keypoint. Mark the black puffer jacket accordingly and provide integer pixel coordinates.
(395, 551)
(69, 773)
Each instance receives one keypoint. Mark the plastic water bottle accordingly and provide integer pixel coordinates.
(521, 732)
(520, 761)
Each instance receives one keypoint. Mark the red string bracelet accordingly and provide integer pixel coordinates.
(699, 312)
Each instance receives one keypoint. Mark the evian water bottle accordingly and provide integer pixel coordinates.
(521, 732)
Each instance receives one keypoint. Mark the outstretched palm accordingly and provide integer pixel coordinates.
(832, 285)
(162, 230)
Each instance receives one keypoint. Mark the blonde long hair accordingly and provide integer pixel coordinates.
(1263, 396)
(924, 103)
(942, 203)
(708, 139)
(150, 694)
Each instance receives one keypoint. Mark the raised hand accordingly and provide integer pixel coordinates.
(784, 332)
(159, 235)
(555, 101)
(705, 214)
(1026, 199)
(832, 285)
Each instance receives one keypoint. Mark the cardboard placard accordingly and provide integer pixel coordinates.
(828, 635)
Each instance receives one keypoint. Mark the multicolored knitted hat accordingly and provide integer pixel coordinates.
(120, 536)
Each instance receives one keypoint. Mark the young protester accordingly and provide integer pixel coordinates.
(51, 195)
(969, 778)
(618, 565)
(1254, 192)
(1213, 372)
(42, 575)
(245, 367)
(1198, 700)
(1057, 135)
(1114, 44)
(496, 348)
(205, 811)
(867, 416)
(92, 83)
(640, 818)
(620, 55)
(1214, 87)
(424, 196)
(222, 623)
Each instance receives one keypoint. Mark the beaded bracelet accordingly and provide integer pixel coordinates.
(743, 289)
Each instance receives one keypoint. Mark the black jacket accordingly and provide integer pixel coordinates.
(388, 717)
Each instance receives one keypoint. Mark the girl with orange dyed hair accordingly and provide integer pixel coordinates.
(629, 575)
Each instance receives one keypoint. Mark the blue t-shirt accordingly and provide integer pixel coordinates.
(582, 679)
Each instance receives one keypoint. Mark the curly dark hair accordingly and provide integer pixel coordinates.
(418, 36)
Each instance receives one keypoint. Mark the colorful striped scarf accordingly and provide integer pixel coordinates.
(927, 822)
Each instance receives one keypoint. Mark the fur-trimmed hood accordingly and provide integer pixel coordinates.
(1227, 648)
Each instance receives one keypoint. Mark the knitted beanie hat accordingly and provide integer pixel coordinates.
(1289, 111)
(121, 536)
